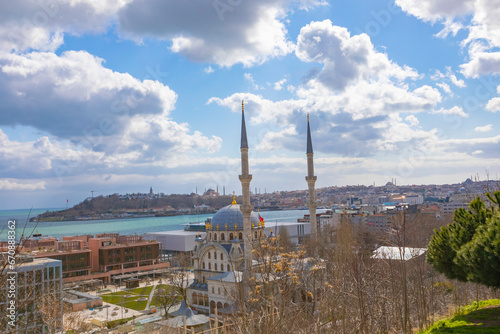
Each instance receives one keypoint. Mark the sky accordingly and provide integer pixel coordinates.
(117, 96)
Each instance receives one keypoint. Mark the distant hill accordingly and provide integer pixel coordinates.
(118, 204)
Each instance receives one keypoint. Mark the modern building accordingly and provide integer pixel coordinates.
(450, 207)
(35, 286)
(88, 257)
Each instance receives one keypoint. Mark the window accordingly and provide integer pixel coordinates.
(240, 236)
(215, 255)
(209, 255)
(213, 290)
(215, 237)
(209, 266)
(195, 298)
(203, 265)
(222, 237)
(218, 291)
(228, 267)
(231, 236)
(221, 256)
(216, 266)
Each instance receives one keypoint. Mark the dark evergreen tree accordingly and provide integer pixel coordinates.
(469, 248)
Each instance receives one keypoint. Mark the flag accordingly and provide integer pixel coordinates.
(260, 218)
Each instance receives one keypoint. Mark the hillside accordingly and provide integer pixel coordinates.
(477, 318)
(118, 204)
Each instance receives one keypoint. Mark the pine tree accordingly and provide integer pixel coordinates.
(469, 248)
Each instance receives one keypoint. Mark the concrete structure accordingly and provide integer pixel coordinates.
(38, 289)
(311, 180)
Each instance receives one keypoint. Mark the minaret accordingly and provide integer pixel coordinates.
(246, 208)
(311, 180)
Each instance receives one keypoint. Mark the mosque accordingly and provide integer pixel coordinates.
(222, 261)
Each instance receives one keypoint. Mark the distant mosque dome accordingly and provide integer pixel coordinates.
(231, 215)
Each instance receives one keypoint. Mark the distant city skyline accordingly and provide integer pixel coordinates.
(138, 93)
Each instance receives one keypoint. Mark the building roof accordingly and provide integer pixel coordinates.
(231, 215)
(397, 253)
(191, 320)
(228, 277)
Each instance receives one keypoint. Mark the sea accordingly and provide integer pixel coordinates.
(24, 227)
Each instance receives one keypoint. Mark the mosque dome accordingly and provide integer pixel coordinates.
(231, 215)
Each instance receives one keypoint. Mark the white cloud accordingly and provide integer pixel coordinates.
(485, 128)
(445, 87)
(435, 10)
(484, 28)
(493, 104)
(278, 85)
(482, 63)
(73, 94)
(208, 70)
(355, 100)
(18, 185)
(458, 111)
(219, 32)
(347, 59)
(249, 77)
(40, 25)
(412, 120)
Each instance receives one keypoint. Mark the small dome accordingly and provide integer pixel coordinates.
(231, 215)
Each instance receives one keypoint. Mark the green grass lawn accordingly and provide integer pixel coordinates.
(119, 298)
(477, 318)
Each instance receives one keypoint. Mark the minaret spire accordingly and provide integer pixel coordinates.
(244, 141)
(311, 180)
(246, 208)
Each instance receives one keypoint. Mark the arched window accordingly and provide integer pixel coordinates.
(255, 234)
(221, 256)
(203, 265)
(206, 300)
(240, 236)
(195, 298)
(222, 237)
(209, 255)
(215, 255)
(200, 299)
(216, 266)
(228, 267)
(209, 266)
(231, 236)
(215, 236)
